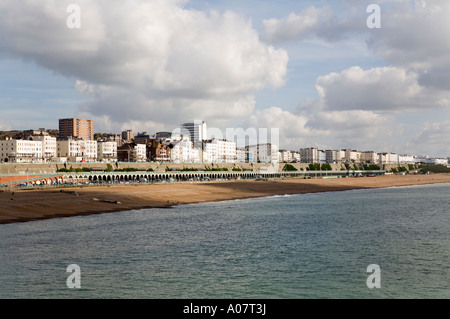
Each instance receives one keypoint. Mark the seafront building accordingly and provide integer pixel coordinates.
(157, 151)
(49, 146)
(197, 132)
(335, 156)
(219, 151)
(309, 155)
(88, 150)
(388, 158)
(369, 157)
(142, 138)
(76, 143)
(352, 156)
(185, 152)
(127, 136)
(107, 151)
(407, 159)
(321, 156)
(241, 155)
(437, 161)
(262, 153)
(285, 156)
(70, 149)
(21, 151)
(132, 152)
(76, 128)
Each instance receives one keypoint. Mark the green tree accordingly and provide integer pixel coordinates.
(289, 168)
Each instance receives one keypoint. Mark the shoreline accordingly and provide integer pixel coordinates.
(38, 204)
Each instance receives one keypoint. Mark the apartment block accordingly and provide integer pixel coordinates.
(197, 132)
(369, 157)
(127, 136)
(158, 151)
(406, 159)
(76, 128)
(107, 151)
(335, 156)
(49, 146)
(132, 152)
(88, 150)
(309, 155)
(20, 151)
(285, 156)
(295, 156)
(437, 161)
(241, 155)
(387, 158)
(321, 155)
(262, 153)
(219, 151)
(353, 156)
(185, 152)
(70, 149)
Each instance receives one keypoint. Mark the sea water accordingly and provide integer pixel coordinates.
(299, 246)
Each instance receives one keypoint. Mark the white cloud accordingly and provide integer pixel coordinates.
(416, 33)
(294, 26)
(414, 36)
(293, 130)
(382, 88)
(433, 139)
(147, 61)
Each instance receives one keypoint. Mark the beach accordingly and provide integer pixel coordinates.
(36, 204)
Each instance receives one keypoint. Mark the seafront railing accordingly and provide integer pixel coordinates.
(71, 178)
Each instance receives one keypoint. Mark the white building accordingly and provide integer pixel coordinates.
(106, 151)
(139, 153)
(184, 152)
(49, 146)
(210, 153)
(266, 153)
(241, 155)
(437, 161)
(262, 153)
(252, 153)
(88, 150)
(309, 155)
(321, 156)
(352, 156)
(285, 156)
(406, 159)
(369, 157)
(21, 151)
(220, 151)
(335, 156)
(388, 158)
(295, 156)
(70, 149)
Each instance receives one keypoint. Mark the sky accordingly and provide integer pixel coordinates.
(321, 72)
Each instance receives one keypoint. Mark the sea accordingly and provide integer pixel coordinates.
(391, 243)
